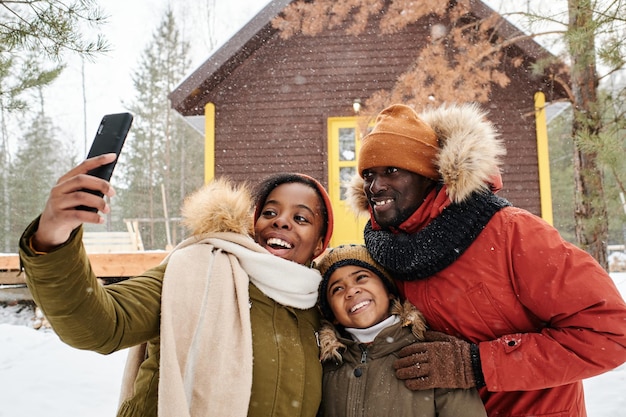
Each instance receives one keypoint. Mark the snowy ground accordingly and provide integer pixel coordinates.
(41, 376)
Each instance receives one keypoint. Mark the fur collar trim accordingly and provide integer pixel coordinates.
(469, 159)
(219, 206)
(331, 346)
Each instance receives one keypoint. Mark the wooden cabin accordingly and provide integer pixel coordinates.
(266, 104)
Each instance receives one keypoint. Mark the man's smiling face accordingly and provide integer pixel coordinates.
(394, 193)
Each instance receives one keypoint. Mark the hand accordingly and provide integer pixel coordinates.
(60, 215)
(440, 361)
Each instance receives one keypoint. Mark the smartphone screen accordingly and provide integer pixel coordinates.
(110, 138)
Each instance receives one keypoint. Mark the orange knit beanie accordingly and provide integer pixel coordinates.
(400, 139)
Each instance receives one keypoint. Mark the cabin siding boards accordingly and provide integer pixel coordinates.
(272, 105)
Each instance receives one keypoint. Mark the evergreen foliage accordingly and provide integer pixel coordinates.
(51, 26)
(32, 33)
(40, 160)
(163, 153)
(20, 75)
(562, 173)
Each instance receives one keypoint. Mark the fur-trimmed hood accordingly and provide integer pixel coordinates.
(219, 206)
(331, 346)
(469, 157)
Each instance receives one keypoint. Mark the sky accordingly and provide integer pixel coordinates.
(42, 376)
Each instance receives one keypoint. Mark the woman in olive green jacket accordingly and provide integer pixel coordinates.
(217, 301)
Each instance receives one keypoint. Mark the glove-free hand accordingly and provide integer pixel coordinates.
(440, 361)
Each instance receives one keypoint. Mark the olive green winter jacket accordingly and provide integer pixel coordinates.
(105, 319)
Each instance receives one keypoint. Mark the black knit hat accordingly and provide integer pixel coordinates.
(348, 255)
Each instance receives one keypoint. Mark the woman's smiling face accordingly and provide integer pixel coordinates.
(291, 223)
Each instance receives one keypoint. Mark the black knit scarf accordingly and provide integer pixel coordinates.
(419, 255)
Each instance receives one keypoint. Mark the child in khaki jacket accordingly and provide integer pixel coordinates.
(365, 326)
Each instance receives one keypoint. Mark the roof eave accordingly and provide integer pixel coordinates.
(185, 96)
(224, 60)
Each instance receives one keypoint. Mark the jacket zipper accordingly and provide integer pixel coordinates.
(363, 353)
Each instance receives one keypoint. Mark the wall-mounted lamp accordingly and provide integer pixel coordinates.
(356, 105)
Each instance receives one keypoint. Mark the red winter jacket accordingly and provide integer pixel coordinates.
(544, 313)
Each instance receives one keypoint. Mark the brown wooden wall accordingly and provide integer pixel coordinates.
(271, 111)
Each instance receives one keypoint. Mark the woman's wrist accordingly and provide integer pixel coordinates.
(35, 247)
(42, 248)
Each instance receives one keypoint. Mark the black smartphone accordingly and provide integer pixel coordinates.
(110, 138)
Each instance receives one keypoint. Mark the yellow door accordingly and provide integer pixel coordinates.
(343, 148)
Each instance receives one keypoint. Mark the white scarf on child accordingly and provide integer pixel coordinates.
(368, 334)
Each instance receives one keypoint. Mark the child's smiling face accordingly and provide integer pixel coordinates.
(357, 297)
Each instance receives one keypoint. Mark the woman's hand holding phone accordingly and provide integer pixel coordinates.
(61, 215)
(78, 195)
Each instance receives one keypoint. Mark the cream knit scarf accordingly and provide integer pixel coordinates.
(206, 338)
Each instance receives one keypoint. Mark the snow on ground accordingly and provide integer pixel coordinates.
(42, 376)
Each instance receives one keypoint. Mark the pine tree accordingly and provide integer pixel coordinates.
(162, 152)
(39, 161)
(29, 33)
(19, 76)
(51, 26)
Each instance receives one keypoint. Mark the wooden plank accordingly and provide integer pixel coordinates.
(105, 265)
(112, 242)
(124, 264)
(9, 262)
(11, 277)
(9, 270)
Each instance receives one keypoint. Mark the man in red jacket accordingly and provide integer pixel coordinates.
(531, 315)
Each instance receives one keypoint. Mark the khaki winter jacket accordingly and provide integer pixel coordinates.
(362, 383)
(89, 316)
